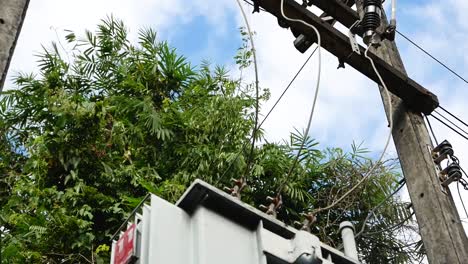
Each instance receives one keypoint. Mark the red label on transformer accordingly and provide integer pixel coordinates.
(125, 246)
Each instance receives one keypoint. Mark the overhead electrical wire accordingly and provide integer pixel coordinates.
(254, 53)
(451, 122)
(271, 110)
(314, 102)
(431, 56)
(448, 126)
(432, 130)
(454, 158)
(390, 228)
(458, 188)
(287, 87)
(454, 116)
(414, 44)
(387, 143)
(372, 212)
(461, 199)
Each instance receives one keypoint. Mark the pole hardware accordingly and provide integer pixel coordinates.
(442, 152)
(302, 42)
(450, 174)
(368, 26)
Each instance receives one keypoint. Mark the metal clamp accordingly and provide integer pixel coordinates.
(352, 38)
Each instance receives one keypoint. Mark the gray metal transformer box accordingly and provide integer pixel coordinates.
(208, 226)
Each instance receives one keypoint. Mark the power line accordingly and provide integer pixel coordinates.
(254, 53)
(432, 130)
(271, 110)
(453, 129)
(430, 55)
(465, 187)
(317, 89)
(390, 228)
(372, 212)
(390, 118)
(452, 123)
(413, 43)
(454, 116)
(466, 175)
(287, 87)
(461, 199)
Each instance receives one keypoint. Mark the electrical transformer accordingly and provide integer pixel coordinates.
(208, 226)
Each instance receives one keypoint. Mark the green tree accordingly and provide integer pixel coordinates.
(107, 121)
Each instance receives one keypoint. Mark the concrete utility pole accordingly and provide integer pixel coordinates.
(12, 13)
(439, 223)
(440, 227)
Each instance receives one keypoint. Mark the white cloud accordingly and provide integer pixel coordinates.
(46, 20)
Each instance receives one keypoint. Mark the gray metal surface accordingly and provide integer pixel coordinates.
(209, 226)
(201, 193)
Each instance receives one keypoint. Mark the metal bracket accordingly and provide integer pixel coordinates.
(352, 38)
(328, 18)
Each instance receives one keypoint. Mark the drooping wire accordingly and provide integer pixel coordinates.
(390, 228)
(430, 55)
(372, 212)
(287, 87)
(270, 111)
(387, 143)
(465, 187)
(314, 102)
(254, 53)
(461, 199)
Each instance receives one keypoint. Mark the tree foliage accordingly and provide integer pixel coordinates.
(107, 121)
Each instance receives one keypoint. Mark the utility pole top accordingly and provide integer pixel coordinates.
(413, 94)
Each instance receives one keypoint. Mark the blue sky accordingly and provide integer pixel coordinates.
(349, 106)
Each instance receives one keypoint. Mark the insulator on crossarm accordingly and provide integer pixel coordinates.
(371, 19)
